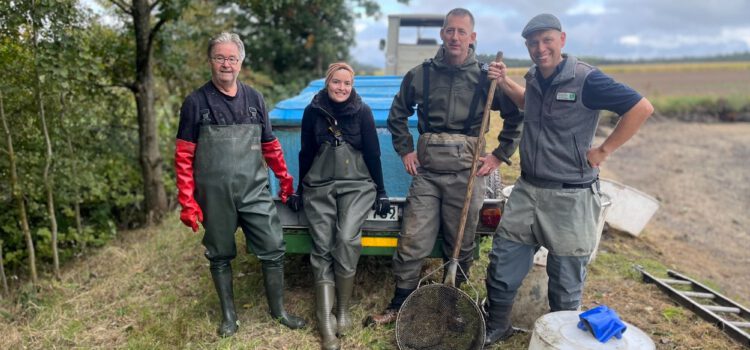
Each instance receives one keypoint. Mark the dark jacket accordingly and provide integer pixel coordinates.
(451, 90)
(355, 120)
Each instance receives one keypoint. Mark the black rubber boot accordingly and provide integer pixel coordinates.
(498, 323)
(222, 276)
(344, 287)
(324, 296)
(399, 297)
(273, 276)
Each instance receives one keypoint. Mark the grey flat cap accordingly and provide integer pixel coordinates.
(541, 22)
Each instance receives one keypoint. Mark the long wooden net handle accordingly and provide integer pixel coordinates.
(474, 162)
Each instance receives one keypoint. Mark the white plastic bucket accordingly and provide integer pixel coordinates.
(631, 209)
(559, 331)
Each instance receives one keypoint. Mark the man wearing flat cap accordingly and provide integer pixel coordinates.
(556, 202)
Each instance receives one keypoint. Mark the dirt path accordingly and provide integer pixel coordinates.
(701, 175)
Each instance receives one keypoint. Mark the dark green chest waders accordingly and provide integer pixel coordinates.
(232, 190)
(338, 195)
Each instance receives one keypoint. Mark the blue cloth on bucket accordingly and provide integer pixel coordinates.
(602, 322)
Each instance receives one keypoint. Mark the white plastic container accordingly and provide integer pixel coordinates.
(631, 209)
(559, 331)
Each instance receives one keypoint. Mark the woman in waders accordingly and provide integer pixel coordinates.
(341, 180)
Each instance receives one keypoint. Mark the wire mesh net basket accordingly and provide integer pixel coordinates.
(437, 317)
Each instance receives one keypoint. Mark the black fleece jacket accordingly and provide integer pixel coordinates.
(354, 119)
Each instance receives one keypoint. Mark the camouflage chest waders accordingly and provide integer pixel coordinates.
(434, 205)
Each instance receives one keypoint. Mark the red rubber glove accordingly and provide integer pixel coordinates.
(184, 153)
(274, 157)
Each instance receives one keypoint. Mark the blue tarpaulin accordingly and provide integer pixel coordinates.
(378, 93)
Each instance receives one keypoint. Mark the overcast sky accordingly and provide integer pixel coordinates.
(602, 28)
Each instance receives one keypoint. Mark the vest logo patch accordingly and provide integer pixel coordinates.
(566, 96)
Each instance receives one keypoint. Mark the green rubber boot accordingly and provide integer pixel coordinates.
(273, 276)
(344, 287)
(222, 277)
(324, 295)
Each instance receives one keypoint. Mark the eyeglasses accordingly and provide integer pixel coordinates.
(221, 60)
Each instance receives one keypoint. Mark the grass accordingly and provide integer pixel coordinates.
(150, 289)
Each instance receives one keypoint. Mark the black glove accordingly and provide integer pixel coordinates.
(382, 205)
(294, 202)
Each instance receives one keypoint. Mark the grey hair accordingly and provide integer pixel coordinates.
(226, 37)
(459, 12)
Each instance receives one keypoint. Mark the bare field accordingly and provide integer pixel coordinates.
(700, 174)
(653, 81)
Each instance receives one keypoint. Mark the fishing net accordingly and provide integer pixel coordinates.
(439, 317)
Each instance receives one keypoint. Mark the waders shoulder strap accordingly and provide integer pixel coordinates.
(205, 109)
(333, 128)
(426, 93)
(478, 92)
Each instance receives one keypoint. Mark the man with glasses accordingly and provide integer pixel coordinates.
(223, 149)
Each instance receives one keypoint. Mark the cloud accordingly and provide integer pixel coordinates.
(630, 40)
(603, 28)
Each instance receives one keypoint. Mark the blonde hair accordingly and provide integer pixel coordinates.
(335, 67)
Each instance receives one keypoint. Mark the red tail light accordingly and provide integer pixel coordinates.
(491, 217)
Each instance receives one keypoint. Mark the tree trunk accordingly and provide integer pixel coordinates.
(150, 158)
(48, 155)
(73, 168)
(48, 188)
(18, 195)
(2, 271)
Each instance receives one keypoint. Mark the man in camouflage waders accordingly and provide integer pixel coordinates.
(450, 92)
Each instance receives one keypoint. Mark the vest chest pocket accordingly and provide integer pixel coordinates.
(564, 115)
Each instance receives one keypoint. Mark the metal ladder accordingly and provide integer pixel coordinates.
(687, 291)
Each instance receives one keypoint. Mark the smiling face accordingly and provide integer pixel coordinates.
(224, 73)
(545, 49)
(457, 34)
(340, 86)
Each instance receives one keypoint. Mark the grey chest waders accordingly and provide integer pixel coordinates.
(338, 194)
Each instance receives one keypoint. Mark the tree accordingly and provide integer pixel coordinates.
(47, 177)
(296, 40)
(18, 195)
(142, 14)
(2, 271)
